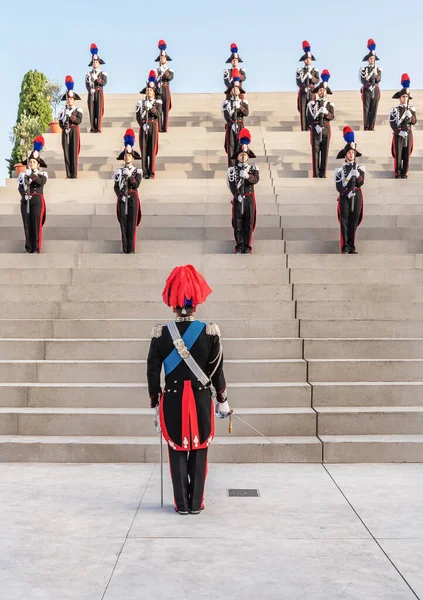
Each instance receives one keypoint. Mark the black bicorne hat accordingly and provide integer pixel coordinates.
(236, 82)
(162, 47)
(307, 52)
(95, 56)
(38, 146)
(405, 91)
(371, 46)
(129, 141)
(349, 137)
(244, 138)
(234, 54)
(69, 83)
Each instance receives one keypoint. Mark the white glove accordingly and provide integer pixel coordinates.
(147, 104)
(222, 410)
(371, 88)
(237, 103)
(125, 171)
(243, 174)
(240, 198)
(68, 112)
(323, 111)
(157, 419)
(234, 127)
(92, 90)
(355, 173)
(28, 172)
(145, 127)
(350, 194)
(408, 114)
(318, 129)
(403, 134)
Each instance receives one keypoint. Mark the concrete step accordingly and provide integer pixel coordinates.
(134, 371)
(394, 277)
(370, 420)
(362, 328)
(133, 349)
(367, 393)
(363, 348)
(372, 448)
(127, 328)
(377, 261)
(326, 310)
(363, 247)
(295, 449)
(354, 293)
(242, 395)
(365, 370)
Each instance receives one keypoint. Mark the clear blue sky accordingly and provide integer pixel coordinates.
(54, 37)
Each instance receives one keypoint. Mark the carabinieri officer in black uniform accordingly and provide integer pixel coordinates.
(401, 120)
(370, 77)
(70, 119)
(95, 80)
(191, 353)
(33, 207)
(127, 181)
(234, 108)
(148, 113)
(306, 77)
(320, 113)
(164, 77)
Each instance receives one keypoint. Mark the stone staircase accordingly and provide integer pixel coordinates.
(324, 352)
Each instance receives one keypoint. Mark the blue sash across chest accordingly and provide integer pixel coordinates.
(190, 337)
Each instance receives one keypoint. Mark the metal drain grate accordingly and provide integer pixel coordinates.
(243, 493)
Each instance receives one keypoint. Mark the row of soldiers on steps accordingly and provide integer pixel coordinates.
(152, 113)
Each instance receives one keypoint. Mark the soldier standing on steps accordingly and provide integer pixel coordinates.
(234, 60)
(306, 78)
(234, 110)
(148, 113)
(401, 120)
(164, 77)
(241, 180)
(349, 180)
(191, 353)
(127, 181)
(320, 113)
(370, 77)
(69, 120)
(95, 80)
(33, 207)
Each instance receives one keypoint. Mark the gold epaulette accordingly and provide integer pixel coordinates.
(156, 332)
(212, 329)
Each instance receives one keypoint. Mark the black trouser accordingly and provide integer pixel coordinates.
(164, 116)
(303, 100)
(401, 151)
(232, 141)
(320, 151)
(243, 222)
(349, 219)
(370, 105)
(128, 222)
(33, 222)
(149, 143)
(70, 145)
(96, 109)
(188, 471)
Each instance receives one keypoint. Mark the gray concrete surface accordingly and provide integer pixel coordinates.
(96, 532)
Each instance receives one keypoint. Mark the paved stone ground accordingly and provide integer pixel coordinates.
(94, 532)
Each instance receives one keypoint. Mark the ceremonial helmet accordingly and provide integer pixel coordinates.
(185, 288)
(162, 46)
(38, 145)
(94, 55)
(307, 52)
(405, 85)
(371, 46)
(129, 141)
(234, 54)
(244, 138)
(236, 82)
(325, 76)
(151, 83)
(69, 83)
(348, 134)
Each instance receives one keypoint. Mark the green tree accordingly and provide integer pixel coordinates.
(33, 104)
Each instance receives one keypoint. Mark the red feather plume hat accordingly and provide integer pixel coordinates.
(70, 93)
(244, 138)
(306, 51)
(349, 137)
(185, 287)
(161, 44)
(129, 141)
(38, 145)
(405, 87)
(94, 55)
(236, 82)
(371, 47)
(234, 53)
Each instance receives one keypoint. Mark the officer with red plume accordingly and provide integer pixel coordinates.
(234, 60)
(401, 120)
(95, 80)
(241, 179)
(349, 180)
(164, 77)
(370, 77)
(31, 188)
(126, 183)
(191, 353)
(234, 108)
(320, 112)
(70, 119)
(148, 113)
(306, 77)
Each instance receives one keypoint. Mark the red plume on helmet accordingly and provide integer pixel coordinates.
(185, 286)
(244, 136)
